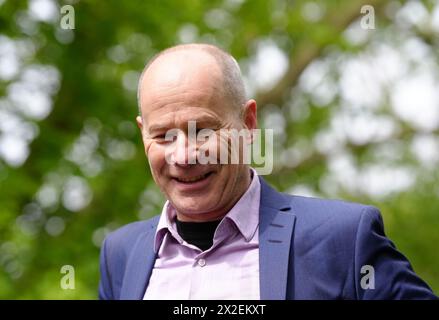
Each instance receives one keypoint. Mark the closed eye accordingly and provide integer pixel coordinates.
(162, 138)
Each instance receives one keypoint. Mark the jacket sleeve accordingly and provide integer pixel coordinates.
(381, 271)
(105, 289)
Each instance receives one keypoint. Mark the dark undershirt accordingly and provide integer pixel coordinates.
(199, 234)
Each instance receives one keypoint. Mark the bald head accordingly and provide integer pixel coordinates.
(194, 58)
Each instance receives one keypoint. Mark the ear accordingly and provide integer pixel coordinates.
(250, 114)
(250, 117)
(139, 123)
(146, 143)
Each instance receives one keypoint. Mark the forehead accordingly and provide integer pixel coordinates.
(171, 66)
(186, 69)
(182, 81)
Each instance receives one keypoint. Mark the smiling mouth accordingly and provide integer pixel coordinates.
(193, 179)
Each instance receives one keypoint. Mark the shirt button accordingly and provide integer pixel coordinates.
(201, 262)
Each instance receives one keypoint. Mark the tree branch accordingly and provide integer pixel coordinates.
(307, 51)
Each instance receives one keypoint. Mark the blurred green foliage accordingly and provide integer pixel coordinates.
(86, 173)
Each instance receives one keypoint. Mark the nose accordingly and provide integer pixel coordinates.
(184, 153)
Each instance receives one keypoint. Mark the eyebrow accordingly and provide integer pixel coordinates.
(208, 121)
(157, 127)
(201, 122)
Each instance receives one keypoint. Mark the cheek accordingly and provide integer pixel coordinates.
(156, 158)
(147, 144)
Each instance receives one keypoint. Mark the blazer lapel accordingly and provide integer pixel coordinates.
(276, 228)
(139, 267)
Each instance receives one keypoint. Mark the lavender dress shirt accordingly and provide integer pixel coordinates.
(227, 270)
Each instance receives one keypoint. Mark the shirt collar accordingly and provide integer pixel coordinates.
(244, 214)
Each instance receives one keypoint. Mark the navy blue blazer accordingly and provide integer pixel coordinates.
(309, 248)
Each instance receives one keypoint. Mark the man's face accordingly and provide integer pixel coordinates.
(176, 89)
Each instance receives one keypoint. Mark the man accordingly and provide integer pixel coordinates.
(224, 233)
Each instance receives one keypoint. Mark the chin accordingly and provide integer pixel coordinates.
(193, 206)
(197, 207)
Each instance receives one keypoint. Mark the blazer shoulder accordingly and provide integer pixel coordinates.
(128, 234)
(331, 212)
(313, 210)
(333, 206)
